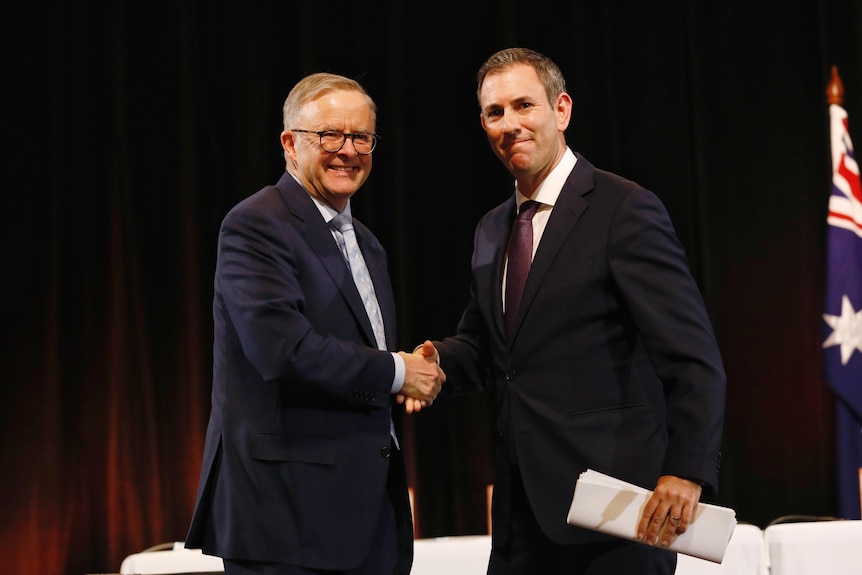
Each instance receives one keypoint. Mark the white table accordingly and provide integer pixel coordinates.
(176, 560)
(465, 555)
(468, 555)
(744, 555)
(814, 548)
(833, 548)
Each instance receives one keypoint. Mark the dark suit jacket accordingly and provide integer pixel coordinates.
(298, 448)
(613, 366)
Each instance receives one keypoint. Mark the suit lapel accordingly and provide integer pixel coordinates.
(498, 260)
(568, 209)
(319, 238)
(375, 260)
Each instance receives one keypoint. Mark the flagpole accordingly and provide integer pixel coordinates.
(835, 89)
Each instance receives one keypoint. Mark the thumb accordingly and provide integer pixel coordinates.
(428, 350)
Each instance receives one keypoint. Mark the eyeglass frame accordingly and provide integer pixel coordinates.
(344, 136)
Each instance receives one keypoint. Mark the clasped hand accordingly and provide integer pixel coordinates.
(423, 378)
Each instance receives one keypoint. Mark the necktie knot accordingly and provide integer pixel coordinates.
(342, 222)
(528, 210)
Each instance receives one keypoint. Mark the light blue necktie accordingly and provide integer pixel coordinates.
(342, 225)
(346, 238)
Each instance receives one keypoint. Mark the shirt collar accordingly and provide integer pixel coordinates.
(327, 211)
(549, 190)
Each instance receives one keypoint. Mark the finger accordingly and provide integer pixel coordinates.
(656, 523)
(643, 524)
(416, 405)
(676, 518)
(649, 512)
(668, 533)
(428, 349)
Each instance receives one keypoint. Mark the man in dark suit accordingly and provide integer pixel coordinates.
(608, 360)
(302, 471)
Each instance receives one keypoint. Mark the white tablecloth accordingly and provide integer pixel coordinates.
(810, 548)
(177, 560)
(743, 556)
(467, 555)
(815, 548)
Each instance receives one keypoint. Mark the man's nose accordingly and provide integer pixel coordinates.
(509, 121)
(343, 150)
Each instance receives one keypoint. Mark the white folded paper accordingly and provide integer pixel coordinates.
(612, 506)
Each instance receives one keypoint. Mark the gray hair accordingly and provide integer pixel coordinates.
(315, 85)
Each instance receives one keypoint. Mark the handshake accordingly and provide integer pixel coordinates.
(423, 378)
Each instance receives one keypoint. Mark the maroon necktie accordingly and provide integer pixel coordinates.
(520, 256)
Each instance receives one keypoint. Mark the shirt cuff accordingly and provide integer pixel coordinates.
(400, 371)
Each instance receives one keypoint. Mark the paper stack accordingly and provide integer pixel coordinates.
(609, 505)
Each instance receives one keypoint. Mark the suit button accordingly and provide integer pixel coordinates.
(511, 375)
(386, 452)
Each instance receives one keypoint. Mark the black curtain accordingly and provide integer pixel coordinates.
(132, 129)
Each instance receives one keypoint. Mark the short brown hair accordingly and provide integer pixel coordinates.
(549, 73)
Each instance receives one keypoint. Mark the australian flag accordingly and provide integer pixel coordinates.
(842, 344)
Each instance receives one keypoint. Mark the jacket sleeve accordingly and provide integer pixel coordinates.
(288, 313)
(649, 266)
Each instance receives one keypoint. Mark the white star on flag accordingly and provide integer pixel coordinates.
(846, 330)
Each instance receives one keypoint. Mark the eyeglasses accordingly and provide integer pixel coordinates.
(332, 140)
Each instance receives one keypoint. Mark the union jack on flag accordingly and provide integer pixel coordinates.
(842, 345)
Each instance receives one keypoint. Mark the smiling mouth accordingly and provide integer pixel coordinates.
(517, 145)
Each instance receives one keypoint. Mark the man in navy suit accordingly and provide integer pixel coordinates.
(609, 360)
(302, 469)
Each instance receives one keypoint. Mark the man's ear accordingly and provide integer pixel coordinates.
(564, 111)
(288, 144)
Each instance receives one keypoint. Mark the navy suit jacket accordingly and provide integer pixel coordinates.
(298, 449)
(613, 365)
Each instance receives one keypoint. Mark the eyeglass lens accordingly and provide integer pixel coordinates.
(333, 141)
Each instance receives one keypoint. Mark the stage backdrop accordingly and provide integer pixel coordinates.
(133, 129)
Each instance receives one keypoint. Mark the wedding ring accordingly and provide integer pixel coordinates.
(674, 519)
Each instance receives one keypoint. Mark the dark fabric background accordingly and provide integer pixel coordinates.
(131, 129)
